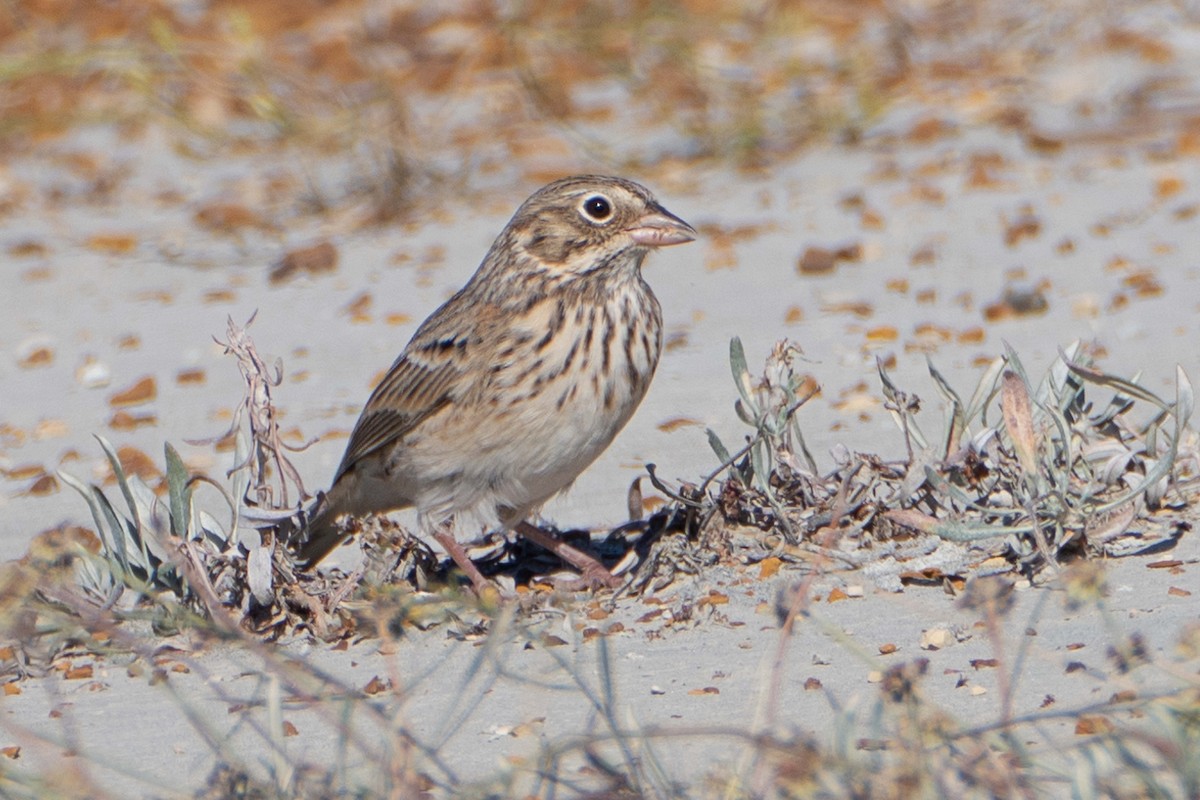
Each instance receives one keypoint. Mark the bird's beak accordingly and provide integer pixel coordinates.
(660, 228)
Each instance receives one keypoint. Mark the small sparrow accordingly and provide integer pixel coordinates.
(519, 381)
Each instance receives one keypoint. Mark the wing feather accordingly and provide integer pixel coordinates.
(410, 392)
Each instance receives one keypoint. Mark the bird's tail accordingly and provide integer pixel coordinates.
(321, 535)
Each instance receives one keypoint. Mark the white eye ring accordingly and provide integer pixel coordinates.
(596, 209)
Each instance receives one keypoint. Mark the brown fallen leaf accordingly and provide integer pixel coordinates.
(674, 424)
(359, 309)
(37, 357)
(816, 261)
(24, 472)
(883, 333)
(1026, 226)
(78, 673)
(768, 567)
(216, 296)
(974, 335)
(227, 217)
(47, 484)
(822, 260)
(929, 330)
(318, 259)
(713, 598)
(1090, 724)
(1144, 283)
(1017, 301)
(136, 462)
(26, 248)
(145, 390)
(1168, 186)
(376, 685)
(124, 421)
(929, 129)
(190, 377)
(113, 244)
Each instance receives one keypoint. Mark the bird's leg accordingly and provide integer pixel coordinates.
(446, 539)
(594, 573)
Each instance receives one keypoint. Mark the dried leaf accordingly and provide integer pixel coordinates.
(1018, 420)
(675, 423)
(1091, 724)
(113, 244)
(37, 357)
(318, 259)
(376, 686)
(145, 390)
(768, 567)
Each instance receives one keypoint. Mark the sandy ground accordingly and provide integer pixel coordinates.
(488, 706)
(1104, 230)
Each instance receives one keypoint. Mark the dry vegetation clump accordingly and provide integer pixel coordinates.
(1020, 479)
(1021, 476)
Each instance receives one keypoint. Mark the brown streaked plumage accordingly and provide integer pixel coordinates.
(519, 381)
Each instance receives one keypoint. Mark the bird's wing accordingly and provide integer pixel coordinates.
(419, 384)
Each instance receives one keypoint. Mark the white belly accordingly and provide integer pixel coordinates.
(548, 433)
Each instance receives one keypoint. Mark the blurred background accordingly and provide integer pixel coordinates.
(447, 94)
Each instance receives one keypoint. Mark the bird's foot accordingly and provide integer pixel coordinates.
(594, 577)
(594, 574)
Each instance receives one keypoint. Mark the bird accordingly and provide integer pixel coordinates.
(518, 382)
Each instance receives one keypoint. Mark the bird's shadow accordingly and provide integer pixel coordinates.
(510, 558)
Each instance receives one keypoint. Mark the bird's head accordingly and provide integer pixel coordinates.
(581, 225)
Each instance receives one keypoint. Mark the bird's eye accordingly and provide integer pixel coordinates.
(597, 207)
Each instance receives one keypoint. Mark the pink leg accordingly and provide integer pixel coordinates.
(446, 539)
(594, 573)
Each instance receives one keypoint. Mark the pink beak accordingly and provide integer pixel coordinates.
(661, 228)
